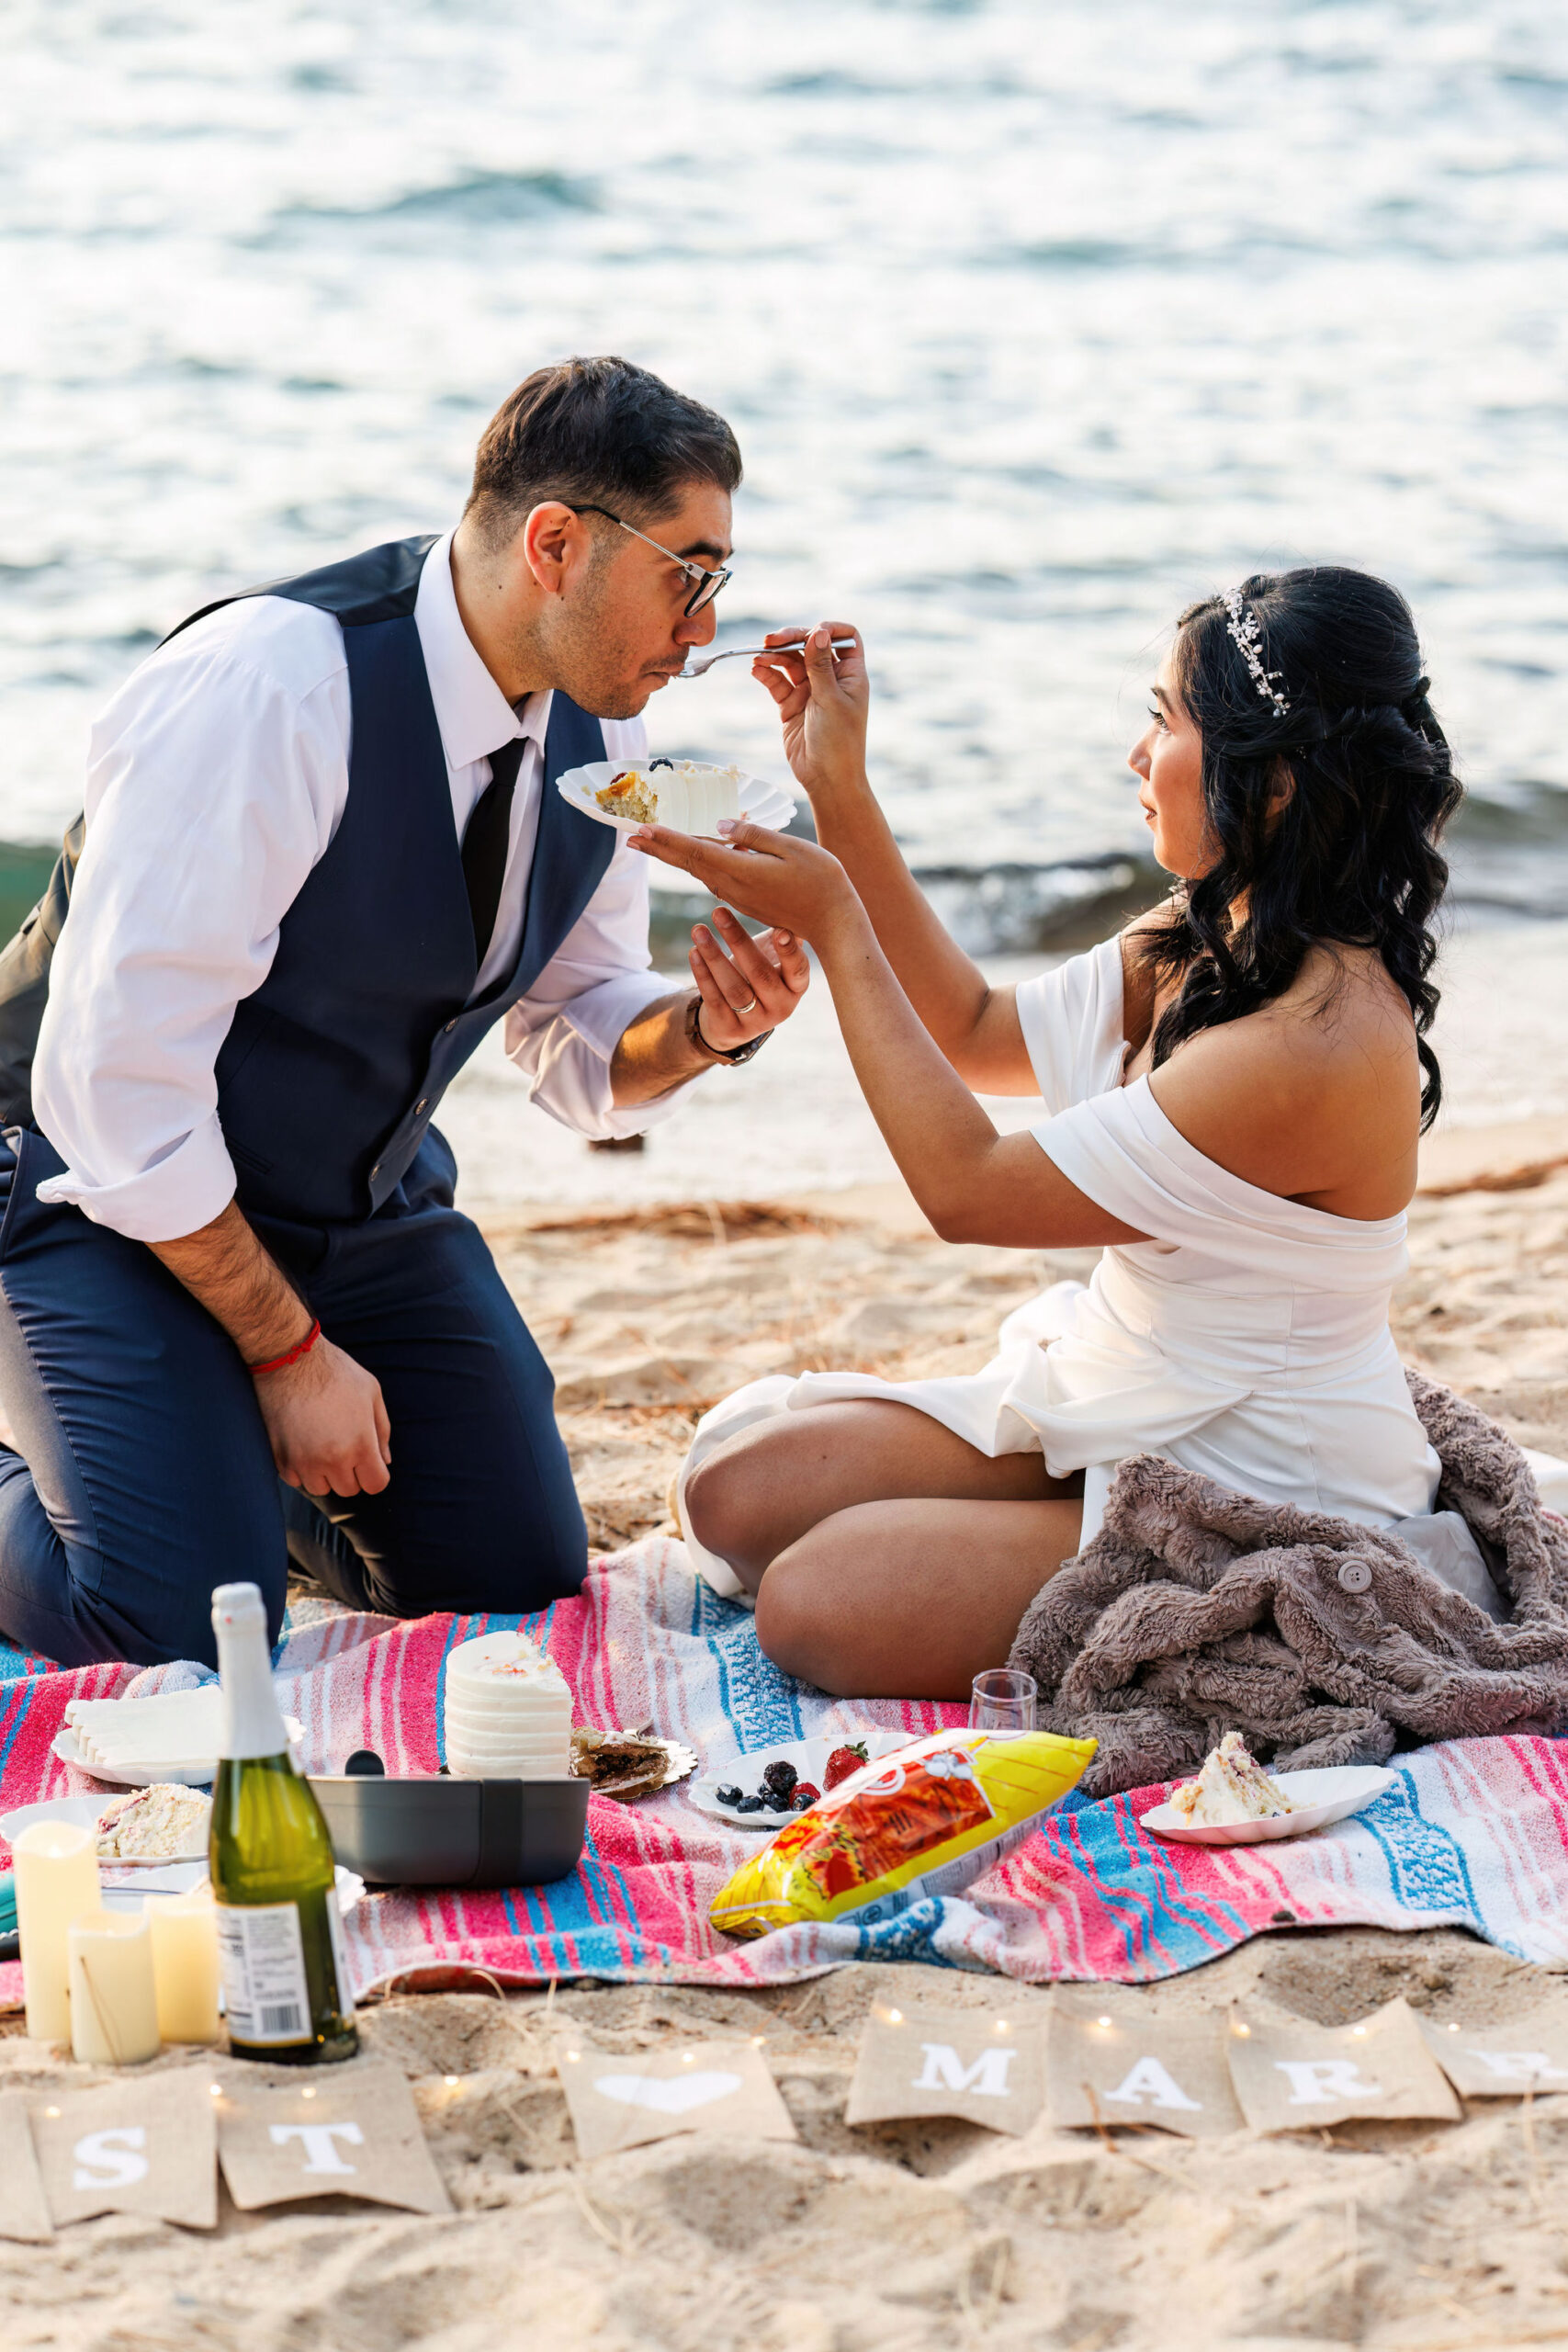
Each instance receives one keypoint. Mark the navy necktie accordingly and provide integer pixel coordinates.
(485, 844)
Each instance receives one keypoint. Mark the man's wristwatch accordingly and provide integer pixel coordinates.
(736, 1054)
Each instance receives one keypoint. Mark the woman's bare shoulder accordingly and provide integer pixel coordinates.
(1317, 1096)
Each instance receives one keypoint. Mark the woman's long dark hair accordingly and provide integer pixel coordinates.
(1351, 856)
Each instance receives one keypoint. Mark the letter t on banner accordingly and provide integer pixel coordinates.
(353, 2130)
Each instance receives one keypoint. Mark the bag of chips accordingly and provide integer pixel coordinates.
(925, 1821)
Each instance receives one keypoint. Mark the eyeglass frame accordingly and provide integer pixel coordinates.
(703, 595)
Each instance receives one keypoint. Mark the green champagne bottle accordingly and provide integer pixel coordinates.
(286, 1984)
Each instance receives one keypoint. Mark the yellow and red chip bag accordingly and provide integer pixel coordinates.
(925, 1821)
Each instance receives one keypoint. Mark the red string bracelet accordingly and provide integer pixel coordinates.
(279, 1363)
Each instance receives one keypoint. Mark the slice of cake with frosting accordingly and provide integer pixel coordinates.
(1232, 1787)
(508, 1711)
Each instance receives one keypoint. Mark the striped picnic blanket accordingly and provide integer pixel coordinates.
(1474, 1834)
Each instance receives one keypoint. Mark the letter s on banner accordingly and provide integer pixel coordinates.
(115, 2154)
(321, 2144)
(945, 2071)
(1318, 2082)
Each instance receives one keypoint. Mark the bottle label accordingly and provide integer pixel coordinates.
(339, 1957)
(263, 1955)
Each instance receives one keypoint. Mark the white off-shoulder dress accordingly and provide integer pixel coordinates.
(1247, 1339)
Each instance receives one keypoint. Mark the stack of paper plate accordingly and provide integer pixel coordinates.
(175, 1735)
(508, 1711)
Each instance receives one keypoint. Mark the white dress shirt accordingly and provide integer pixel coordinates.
(217, 777)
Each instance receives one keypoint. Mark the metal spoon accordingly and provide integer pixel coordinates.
(736, 653)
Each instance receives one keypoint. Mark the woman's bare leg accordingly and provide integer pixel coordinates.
(764, 1491)
(910, 1599)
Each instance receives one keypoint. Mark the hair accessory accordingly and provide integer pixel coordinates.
(1243, 627)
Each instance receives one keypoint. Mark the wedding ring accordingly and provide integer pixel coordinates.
(749, 1007)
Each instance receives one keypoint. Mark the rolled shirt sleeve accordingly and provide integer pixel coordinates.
(563, 1034)
(216, 780)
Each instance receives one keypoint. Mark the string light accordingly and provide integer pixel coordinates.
(1102, 2020)
(307, 2094)
(894, 2017)
(451, 2081)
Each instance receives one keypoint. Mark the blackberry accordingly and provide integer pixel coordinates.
(781, 1776)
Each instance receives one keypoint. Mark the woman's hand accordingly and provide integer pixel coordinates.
(773, 877)
(753, 988)
(823, 696)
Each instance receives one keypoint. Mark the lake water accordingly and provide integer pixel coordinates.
(1034, 322)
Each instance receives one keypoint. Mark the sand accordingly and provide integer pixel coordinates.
(897, 2237)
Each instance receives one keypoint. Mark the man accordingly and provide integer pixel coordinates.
(323, 854)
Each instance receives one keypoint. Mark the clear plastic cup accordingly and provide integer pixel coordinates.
(1002, 1699)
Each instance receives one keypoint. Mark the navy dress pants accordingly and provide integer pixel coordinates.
(141, 1476)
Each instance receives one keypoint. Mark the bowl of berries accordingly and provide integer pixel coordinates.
(760, 1791)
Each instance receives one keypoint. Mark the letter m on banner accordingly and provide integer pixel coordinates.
(945, 2071)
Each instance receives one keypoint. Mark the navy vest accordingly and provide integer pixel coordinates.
(331, 1072)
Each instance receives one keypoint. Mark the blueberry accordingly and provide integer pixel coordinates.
(727, 1794)
(749, 1804)
(775, 1799)
(782, 1777)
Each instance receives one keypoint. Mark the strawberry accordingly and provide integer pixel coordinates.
(842, 1762)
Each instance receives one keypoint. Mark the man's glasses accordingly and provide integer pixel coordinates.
(704, 584)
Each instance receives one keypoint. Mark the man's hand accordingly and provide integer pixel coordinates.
(823, 697)
(753, 988)
(324, 1413)
(327, 1423)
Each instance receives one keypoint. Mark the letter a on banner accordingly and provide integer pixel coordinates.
(1111, 2057)
(1148, 2079)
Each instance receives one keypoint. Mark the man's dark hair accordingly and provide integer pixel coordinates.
(602, 431)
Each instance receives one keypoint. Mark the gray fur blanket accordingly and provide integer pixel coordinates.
(1196, 1610)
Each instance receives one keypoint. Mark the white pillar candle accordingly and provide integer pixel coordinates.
(55, 1865)
(185, 1965)
(114, 2009)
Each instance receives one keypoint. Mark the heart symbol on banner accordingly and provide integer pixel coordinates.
(678, 2095)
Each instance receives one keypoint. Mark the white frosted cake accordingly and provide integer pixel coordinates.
(508, 1711)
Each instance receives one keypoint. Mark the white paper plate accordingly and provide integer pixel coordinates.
(761, 804)
(146, 1776)
(1323, 1796)
(809, 1757)
(82, 1812)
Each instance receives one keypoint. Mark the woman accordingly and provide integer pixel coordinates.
(1236, 1089)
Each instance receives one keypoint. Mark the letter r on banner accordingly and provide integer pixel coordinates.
(945, 2071)
(110, 2159)
(321, 2144)
(1149, 2079)
(1318, 2082)
(1519, 2065)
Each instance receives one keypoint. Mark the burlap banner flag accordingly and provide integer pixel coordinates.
(1292, 2078)
(24, 2209)
(350, 2130)
(1503, 2061)
(970, 2062)
(146, 2144)
(619, 2099)
(1108, 2061)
